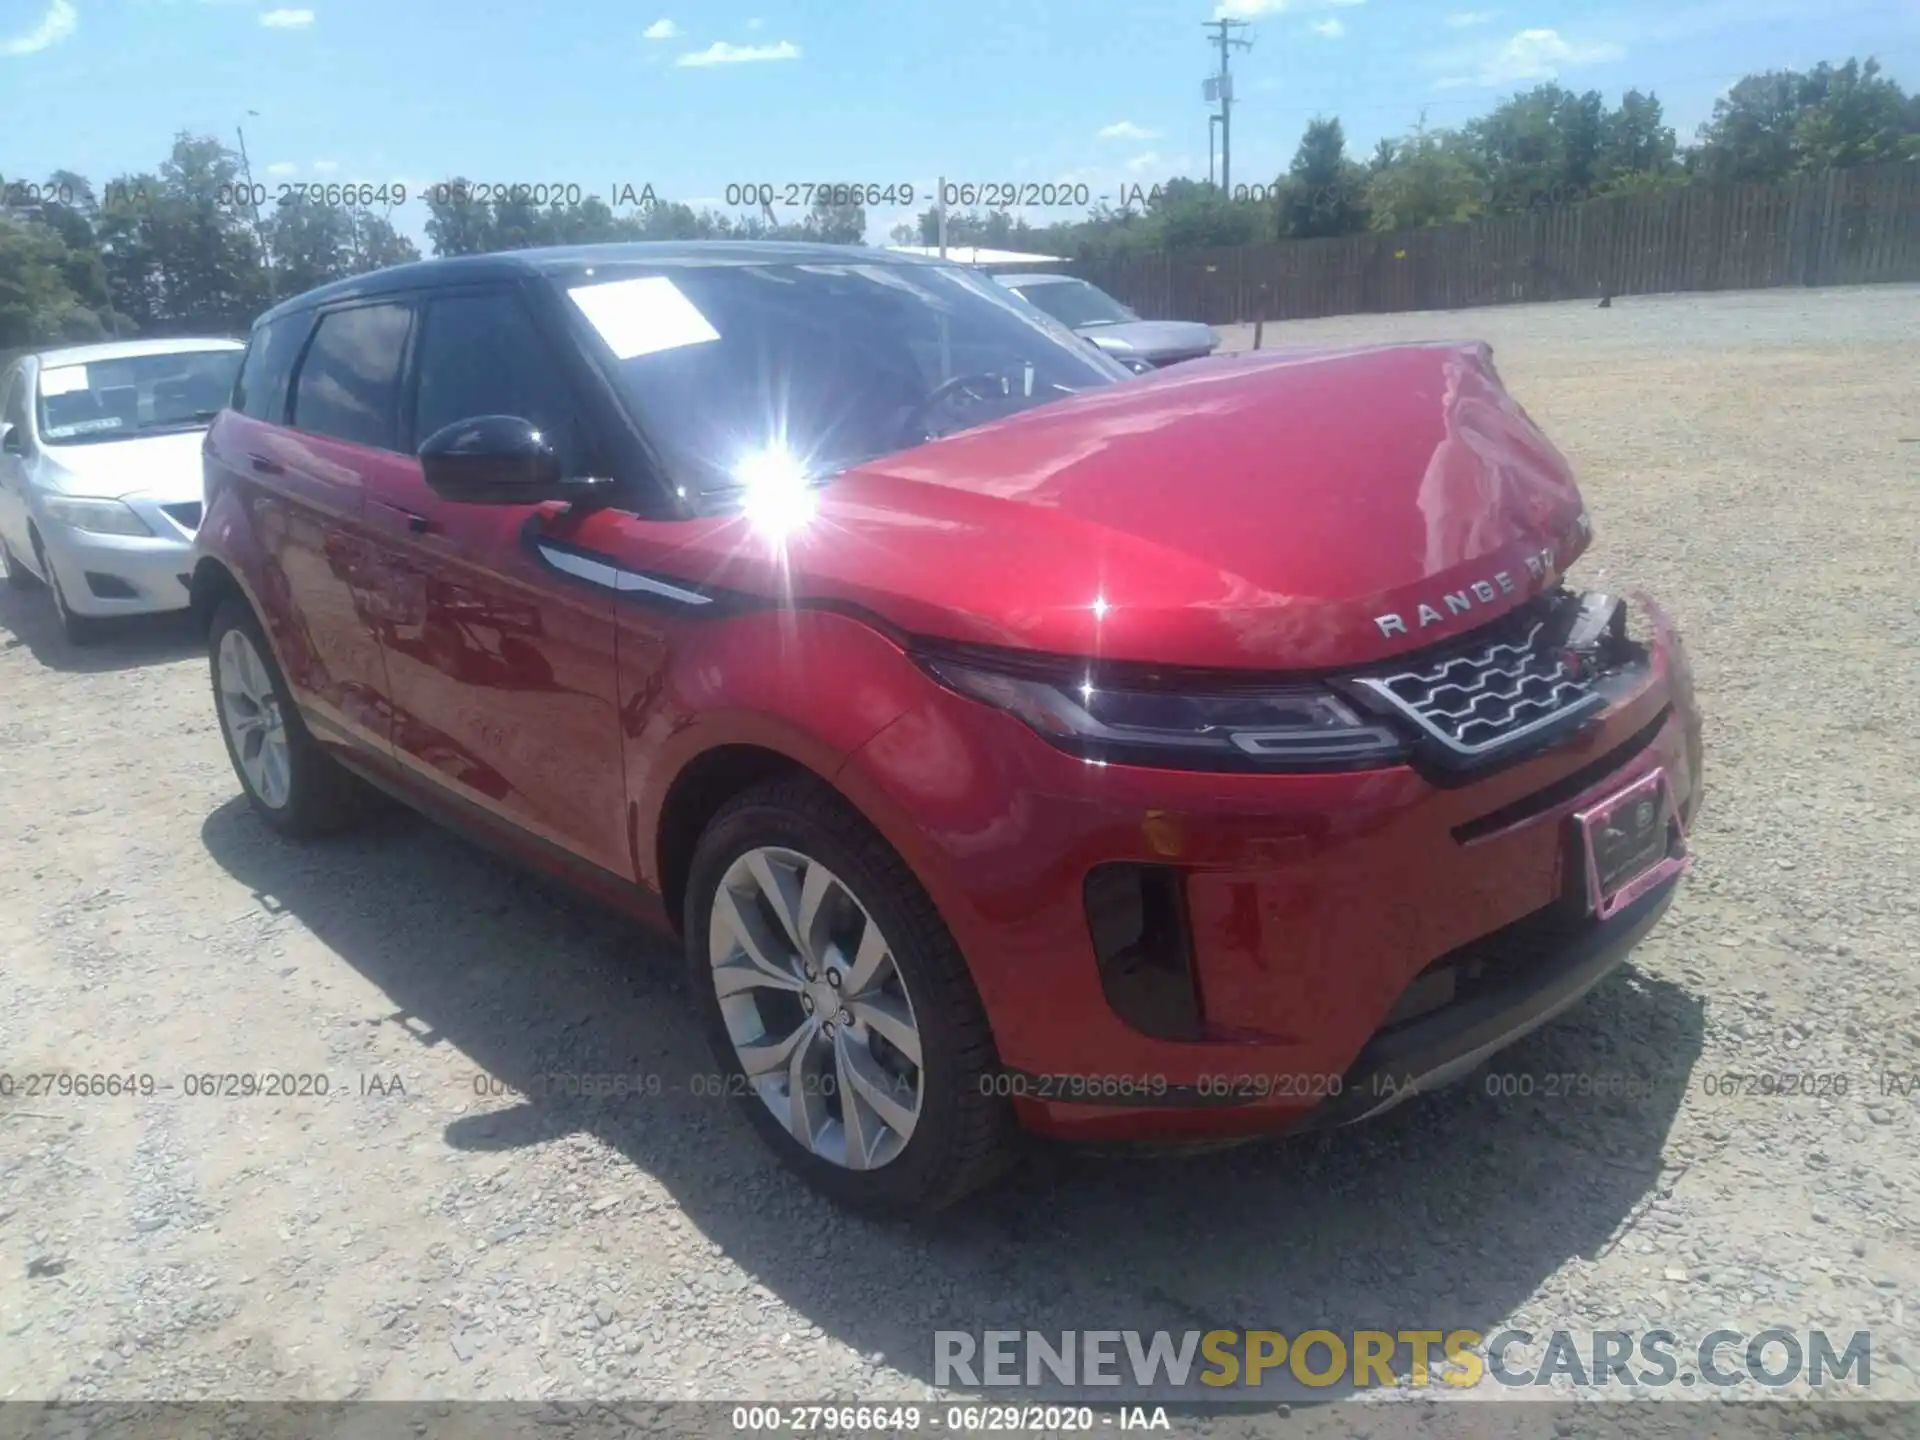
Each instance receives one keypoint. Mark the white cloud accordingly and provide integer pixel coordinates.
(1462, 19)
(1127, 130)
(287, 19)
(721, 53)
(282, 167)
(1329, 29)
(755, 23)
(1254, 9)
(1146, 161)
(1535, 55)
(56, 25)
(661, 29)
(325, 167)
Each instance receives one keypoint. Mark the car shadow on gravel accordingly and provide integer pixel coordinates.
(1447, 1213)
(27, 618)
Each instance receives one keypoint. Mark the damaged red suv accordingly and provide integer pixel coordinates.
(1014, 741)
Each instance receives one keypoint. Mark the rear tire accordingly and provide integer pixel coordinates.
(907, 1053)
(292, 784)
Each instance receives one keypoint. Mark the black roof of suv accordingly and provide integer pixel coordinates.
(519, 264)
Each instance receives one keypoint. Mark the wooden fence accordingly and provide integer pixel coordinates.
(1845, 227)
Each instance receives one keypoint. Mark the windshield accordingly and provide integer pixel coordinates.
(1076, 303)
(825, 364)
(134, 394)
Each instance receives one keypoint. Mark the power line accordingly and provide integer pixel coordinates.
(1222, 86)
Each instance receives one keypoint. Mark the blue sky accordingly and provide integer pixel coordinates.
(691, 97)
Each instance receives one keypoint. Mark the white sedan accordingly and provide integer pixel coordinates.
(100, 488)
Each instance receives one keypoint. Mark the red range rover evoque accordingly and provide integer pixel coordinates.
(1013, 740)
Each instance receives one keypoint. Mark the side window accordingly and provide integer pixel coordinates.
(260, 390)
(483, 355)
(13, 398)
(348, 387)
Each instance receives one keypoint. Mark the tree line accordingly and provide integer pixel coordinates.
(1542, 147)
(194, 247)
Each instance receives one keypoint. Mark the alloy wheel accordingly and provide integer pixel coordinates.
(254, 723)
(816, 1008)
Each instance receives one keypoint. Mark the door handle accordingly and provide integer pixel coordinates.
(265, 466)
(416, 524)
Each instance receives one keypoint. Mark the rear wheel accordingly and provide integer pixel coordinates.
(292, 784)
(838, 1007)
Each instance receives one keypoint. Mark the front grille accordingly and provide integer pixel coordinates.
(185, 515)
(1479, 701)
(1487, 962)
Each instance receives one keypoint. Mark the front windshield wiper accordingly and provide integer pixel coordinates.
(198, 417)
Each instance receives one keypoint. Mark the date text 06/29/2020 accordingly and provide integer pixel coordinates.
(253, 197)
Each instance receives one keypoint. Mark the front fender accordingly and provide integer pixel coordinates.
(806, 686)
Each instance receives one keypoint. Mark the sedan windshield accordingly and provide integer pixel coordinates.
(818, 366)
(1076, 303)
(134, 394)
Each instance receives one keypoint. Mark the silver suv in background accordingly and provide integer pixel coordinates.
(100, 491)
(1086, 309)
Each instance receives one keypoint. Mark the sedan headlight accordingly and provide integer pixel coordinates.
(96, 517)
(1274, 728)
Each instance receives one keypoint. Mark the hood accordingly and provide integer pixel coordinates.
(1154, 337)
(163, 468)
(1260, 512)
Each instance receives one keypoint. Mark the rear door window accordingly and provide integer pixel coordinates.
(348, 387)
(261, 390)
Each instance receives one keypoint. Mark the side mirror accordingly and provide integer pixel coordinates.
(11, 440)
(497, 460)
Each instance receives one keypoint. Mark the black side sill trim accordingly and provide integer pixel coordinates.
(473, 823)
(1566, 787)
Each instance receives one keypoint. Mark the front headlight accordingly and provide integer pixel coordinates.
(1274, 728)
(96, 517)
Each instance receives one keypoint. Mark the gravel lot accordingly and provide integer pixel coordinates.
(1754, 460)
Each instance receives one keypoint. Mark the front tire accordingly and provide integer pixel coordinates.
(292, 784)
(79, 629)
(18, 576)
(838, 1007)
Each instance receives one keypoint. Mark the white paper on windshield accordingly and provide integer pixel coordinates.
(640, 317)
(63, 380)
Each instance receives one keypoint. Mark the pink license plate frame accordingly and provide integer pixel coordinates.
(1655, 788)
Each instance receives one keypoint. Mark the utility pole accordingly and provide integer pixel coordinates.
(1220, 87)
(259, 230)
